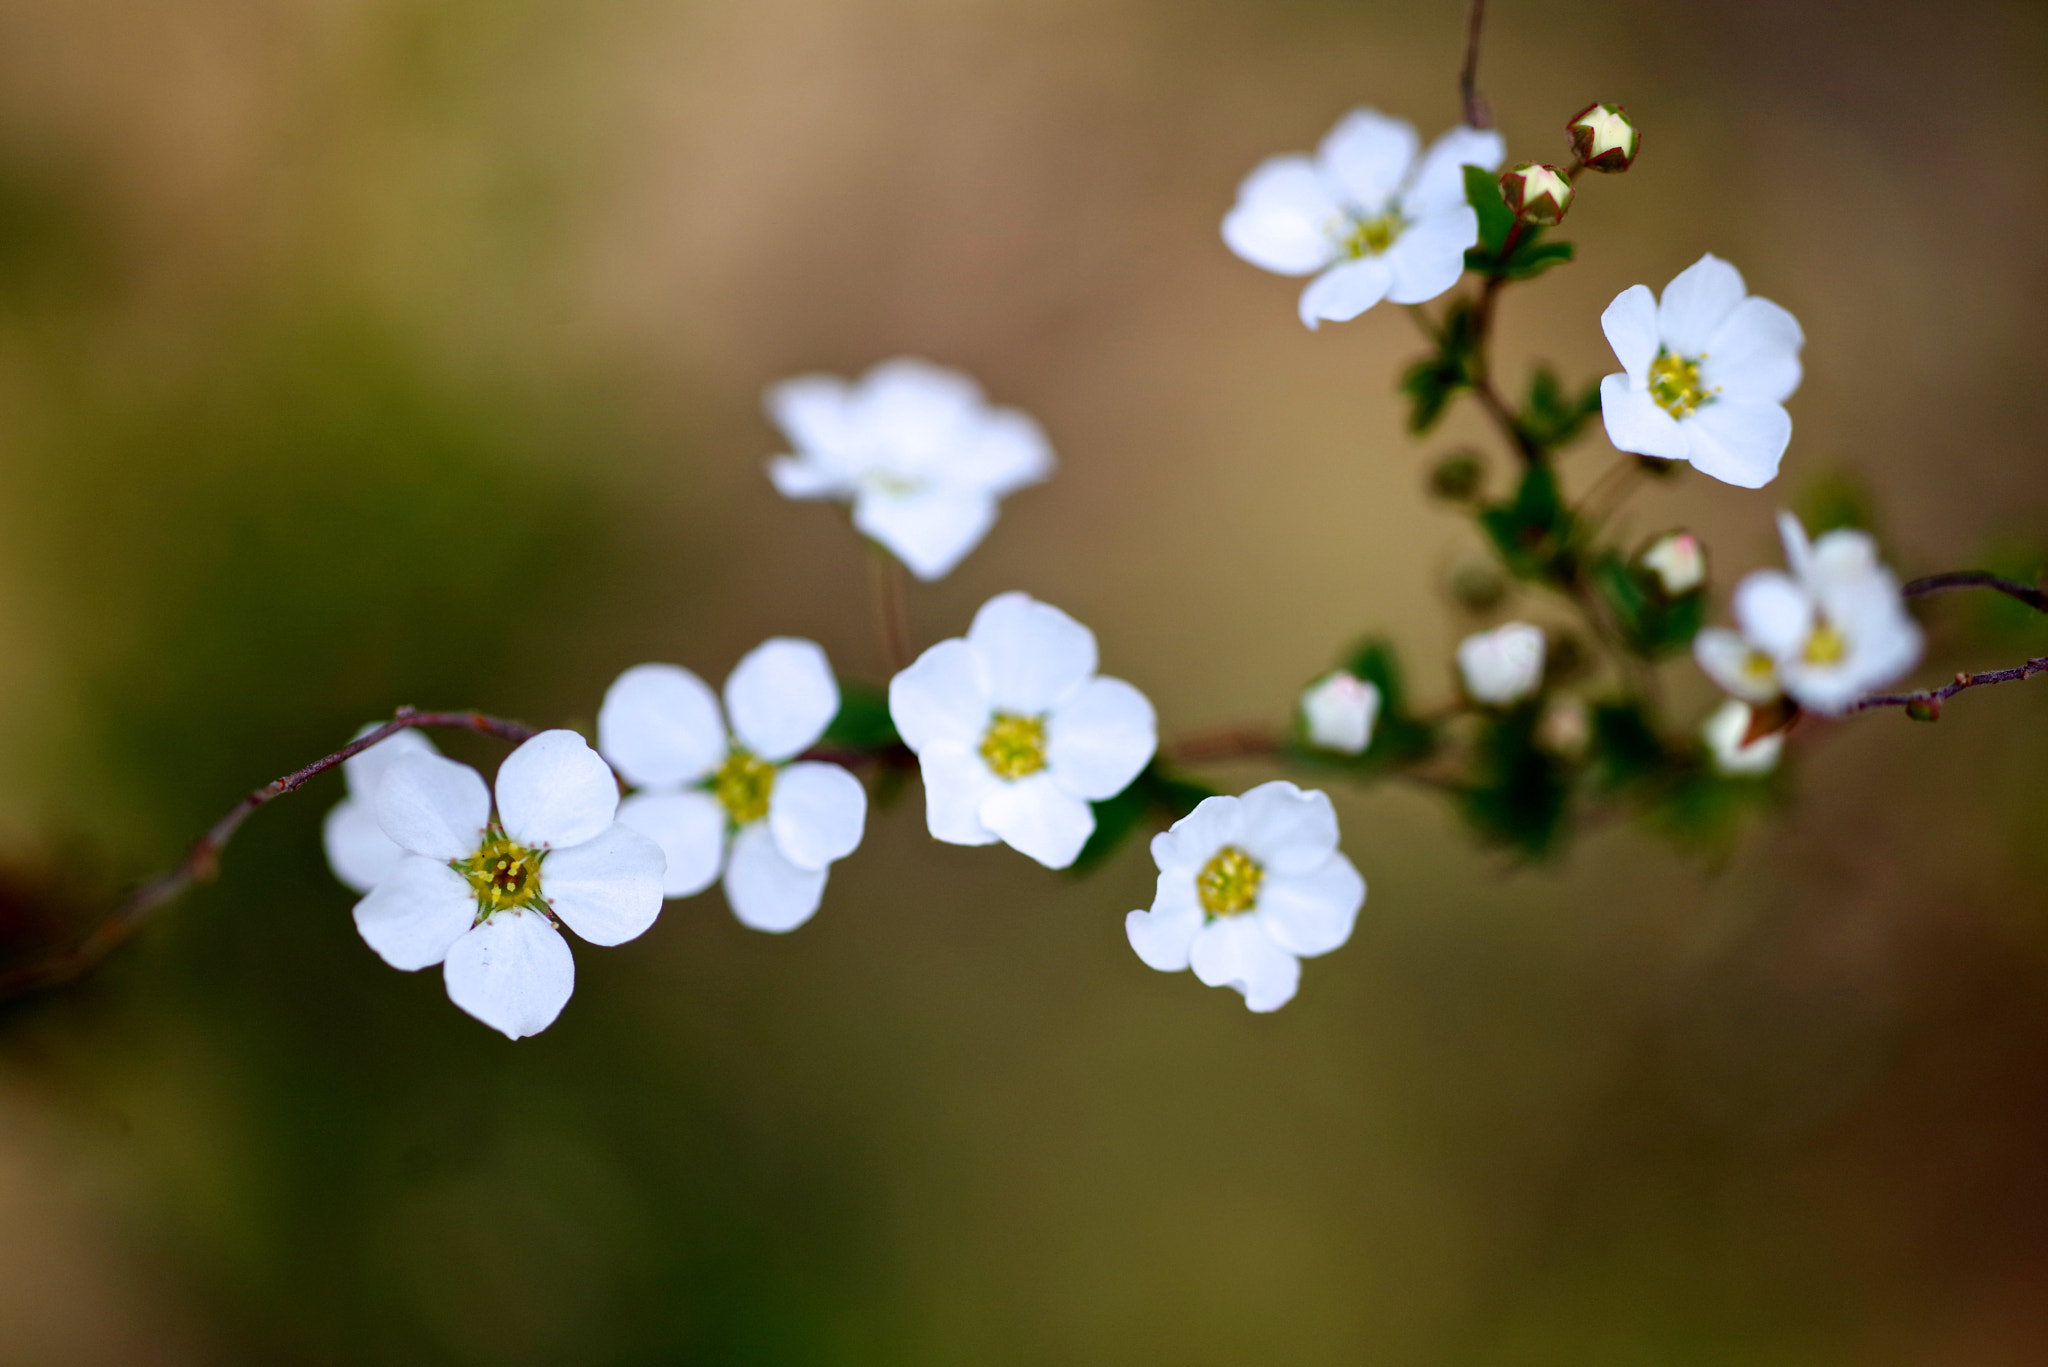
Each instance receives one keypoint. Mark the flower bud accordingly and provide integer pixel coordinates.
(1478, 585)
(1536, 194)
(1566, 728)
(1727, 734)
(1338, 711)
(1679, 562)
(1502, 666)
(1458, 477)
(1603, 137)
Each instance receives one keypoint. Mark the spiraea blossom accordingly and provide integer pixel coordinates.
(737, 800)
(916, 449)
(1831, 630)
(1367, 216)
(1338, 712)
(1706, 372)
(1727, 736)
(481, 895)
(1248, 887)
(1015, 733)
(1502, 666)
(357, 849)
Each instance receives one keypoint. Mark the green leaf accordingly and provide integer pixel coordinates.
(1532, 256)
(1625, 749)
(863, 721)
(1432, 382)
(1397, 736)
(1521, 793)
(1534, 532)
(1496, 220)
(1651, 623)
(1553, 419)
(1155, 793)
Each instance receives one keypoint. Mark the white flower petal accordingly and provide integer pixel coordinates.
(1754, 354)
(362, 771)
(1164, 935)
(1288, 831)
(607, 890)
(514, 973)
(916, 411)
(1799, 551)
(956, 783)
(433, 806)
(1773, 613)
(1630, 323)
(660, 726)
(1035, 816)
(781, 697)
(930, 530)
(1739, 443)
(1696, 302)
(815, 413)
(1735, 664)
(1338, 712)
(765, 890)
(419, 910)
(1312, 913)
(1008, 451)
(1194, 840)
(1635, 423)
(818, 813)
(1367, 156)
(1283, 218)
(358, 851)
(1098, 740)
(1429, 256)
(1724, 734)
(1033, 656)
(1233, 951)
(1346, 290)
(690, 829)
(942, 698)
(555, 791)
(1439, 182)
(801, 477)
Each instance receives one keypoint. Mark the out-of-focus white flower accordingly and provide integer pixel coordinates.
(1725, 733)
(1015, 733)
(737, 801)
(1504, 665)
(357, 849)
(1833, 629)
(1736, 665)
(915, 448)
(482, 897)
(1366, 216)
(1679, 562)
(1707, 371)
(1338, 712)
(1248, 887)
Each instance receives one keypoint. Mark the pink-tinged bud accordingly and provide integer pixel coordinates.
(1565, 729)
(1603, 137)
(1536, 194)
(1338, 711)
(1679, 562)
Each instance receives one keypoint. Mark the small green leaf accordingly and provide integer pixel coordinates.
(1534, 532)
(1625, 749)
(1531, 257)
(1521, 793)
(863, 721)
(1651, 623)
(1397, 736)
(1155, 793)
(1496, 220)
(1552, 419)
(1432, 382)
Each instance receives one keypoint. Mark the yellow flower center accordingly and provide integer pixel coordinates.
(742, 785)
(1826, 646)
(1014, 745)
(1229, 883)
(1675, 384)
(503, 873)
(1371, 236)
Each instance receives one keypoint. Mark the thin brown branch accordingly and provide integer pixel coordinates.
(1931, 699)
(202, 861)
(892, 609)
(1220, 744)
(1978, 579)
(1469, 98)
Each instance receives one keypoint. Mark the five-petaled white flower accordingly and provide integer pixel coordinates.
(1248, 887)
(1016, 734)
(1707, 371)
(1504, 665)
(481, 896)
(1726, 733)
(357, 849)
(1364, 215)
(1828, 632)
(1338, 712)
(738, 800)
(915, 448)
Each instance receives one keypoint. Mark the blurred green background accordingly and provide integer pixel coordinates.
(409, 351)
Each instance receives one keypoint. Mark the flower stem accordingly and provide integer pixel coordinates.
(892, 609)
(1469, 98)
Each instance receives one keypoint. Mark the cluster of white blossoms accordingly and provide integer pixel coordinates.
(1831, 630)
(1370, 215)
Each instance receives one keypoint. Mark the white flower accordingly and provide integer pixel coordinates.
(357, 849)
(1679, 562)
(1707, 373)
(1828, 632)
(481, 897)
(1365, 216)
(1504, 665)
(1248, 887)
(1016, 734)
(1724, 733)
(1338, 712)
(917, 451)
(737, 800)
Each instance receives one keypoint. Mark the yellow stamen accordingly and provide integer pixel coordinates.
(742, 784)
(1229, 883)
(1014, 745)
(1826, 646)
(1675, 384)
(1372, 236)
(504, 874)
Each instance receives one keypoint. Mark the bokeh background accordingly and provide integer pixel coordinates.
(409, 351)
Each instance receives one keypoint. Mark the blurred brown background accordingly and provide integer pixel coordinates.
(389, 351)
